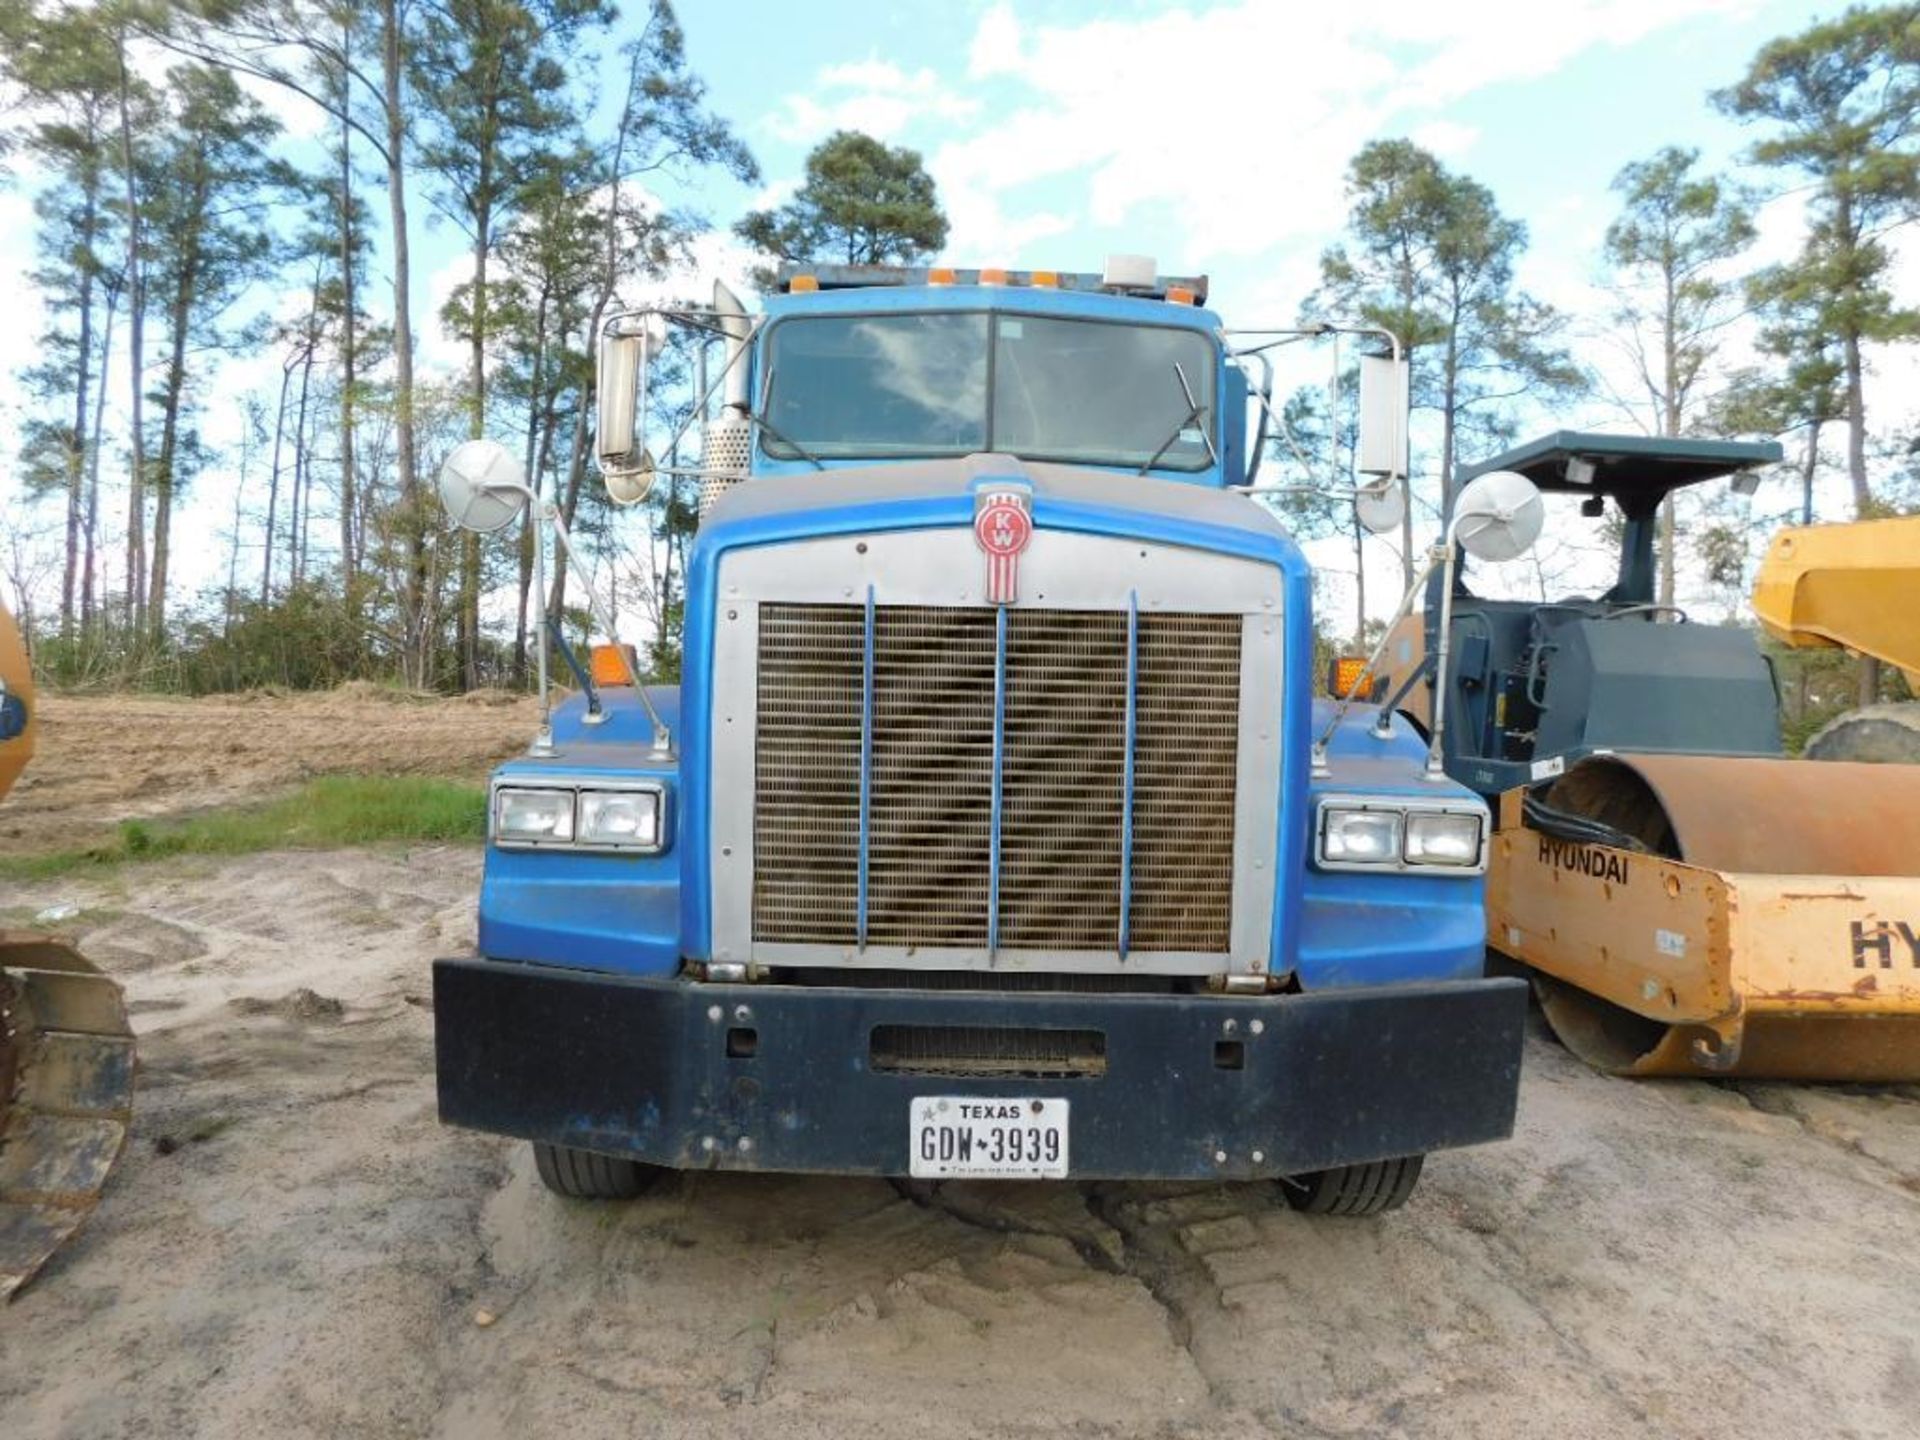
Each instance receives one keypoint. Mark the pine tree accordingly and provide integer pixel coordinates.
(64, 64)
(490, 76)
(862, 202)
(1670, 247)
(1430, 257)
(210, 184)
(1842, 103)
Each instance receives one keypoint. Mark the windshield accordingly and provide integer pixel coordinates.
(953, 383)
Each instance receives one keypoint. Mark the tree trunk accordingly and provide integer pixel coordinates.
(1666, 549)
(1449, 405)
(136, 349)
(416, 658)
(273, 485)
(302, 466)
(349, 357)
(1808, 465)
(1360, 584)
(180, 315)
(77, 440)
(569, 498)
(540, 420)
(1856, 427)
(1857, 435)
(91, 561)
(232, 598)
(467, 620)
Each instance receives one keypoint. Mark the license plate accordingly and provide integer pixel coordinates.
(976, 1137)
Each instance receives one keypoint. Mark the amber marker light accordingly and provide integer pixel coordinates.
(610, 665)
(1346, 676)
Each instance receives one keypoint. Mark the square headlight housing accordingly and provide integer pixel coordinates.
(621, 819)
(1445, 837)
(591, 815)
(1353, 835)
(1384, 833)
(532, 815)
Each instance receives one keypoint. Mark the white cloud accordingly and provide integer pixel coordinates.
(20, 298)
(1448, 139)
(996, 43)
(1246, 144)
(874, 96)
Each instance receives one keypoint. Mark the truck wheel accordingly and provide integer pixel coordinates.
(583, 1175)
(1370, 1189)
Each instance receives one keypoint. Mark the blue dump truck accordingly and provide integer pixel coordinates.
(994, 829)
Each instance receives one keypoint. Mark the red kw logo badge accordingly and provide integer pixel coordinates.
(1003, 524)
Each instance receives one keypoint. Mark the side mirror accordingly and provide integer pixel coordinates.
(1384, 400)
(1380, 508)
(483, 486)
(1498, 516)
(621, 423)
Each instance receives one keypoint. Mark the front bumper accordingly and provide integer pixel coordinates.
(659, 1069)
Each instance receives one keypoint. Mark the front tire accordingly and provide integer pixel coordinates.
(1354, 1190)
(585, 1175)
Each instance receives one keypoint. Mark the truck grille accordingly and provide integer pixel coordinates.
(929, 759)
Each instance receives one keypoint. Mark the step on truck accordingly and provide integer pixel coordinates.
(993, 829)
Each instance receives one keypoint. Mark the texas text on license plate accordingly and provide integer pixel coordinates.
(981, 1137)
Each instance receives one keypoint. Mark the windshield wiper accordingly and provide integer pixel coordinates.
(1194, 411)
(760, 419)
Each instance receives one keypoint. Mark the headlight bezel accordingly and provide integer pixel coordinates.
(1404, 808)
(576, 788)
(1479, 840)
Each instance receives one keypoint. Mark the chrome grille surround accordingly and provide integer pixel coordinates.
(791, 687)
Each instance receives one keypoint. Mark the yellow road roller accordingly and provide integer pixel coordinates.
(1688, 900)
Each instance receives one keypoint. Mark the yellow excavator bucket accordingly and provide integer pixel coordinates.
(66, 1097)
(66, 1051)
(1855, 585)
(1762, 921)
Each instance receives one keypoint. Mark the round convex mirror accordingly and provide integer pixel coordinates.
(1498, 515)
(1380, 508)
(631, 486)
(483, 486)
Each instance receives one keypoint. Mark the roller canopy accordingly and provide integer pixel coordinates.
(1631, 467)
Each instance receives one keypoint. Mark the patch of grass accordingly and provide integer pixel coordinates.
(333, 810)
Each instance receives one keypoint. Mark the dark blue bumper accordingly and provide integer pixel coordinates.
(681, 1074)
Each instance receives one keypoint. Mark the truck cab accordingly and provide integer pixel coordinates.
(994, 830)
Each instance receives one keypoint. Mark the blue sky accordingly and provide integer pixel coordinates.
(1211, 136)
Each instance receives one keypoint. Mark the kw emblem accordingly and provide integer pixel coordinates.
(1003, 524)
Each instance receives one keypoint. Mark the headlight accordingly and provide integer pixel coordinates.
(1360, 837)
(627, 818)
(1394, 833)
(532, 817)
(1441, 838)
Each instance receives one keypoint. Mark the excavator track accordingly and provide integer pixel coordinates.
(66, 1097)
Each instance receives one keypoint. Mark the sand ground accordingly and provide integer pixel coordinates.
(295, 1247)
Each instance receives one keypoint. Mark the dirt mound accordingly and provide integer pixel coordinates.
(304, 1005)
(107, 758)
